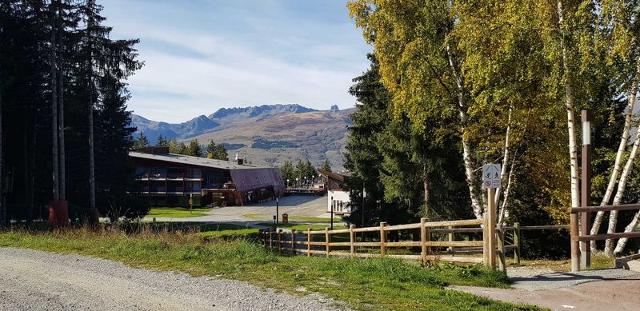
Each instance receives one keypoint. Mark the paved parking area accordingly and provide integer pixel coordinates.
(297, 206)
(610, 289)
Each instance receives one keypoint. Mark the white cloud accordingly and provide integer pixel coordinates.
(189, 72)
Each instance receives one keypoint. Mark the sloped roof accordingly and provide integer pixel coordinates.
(196, 161)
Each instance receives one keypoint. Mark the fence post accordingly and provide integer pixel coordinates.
(489, 231)
(423, 239)
(383, 238)
(270, 239)
(451, 249)
(308, 242)
(516, 242)
(575, 244)
(352, 248)
(293, 241)
(327, 240)
(280, 241)
(502, 261)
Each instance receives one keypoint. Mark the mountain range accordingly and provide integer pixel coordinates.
(263, 135)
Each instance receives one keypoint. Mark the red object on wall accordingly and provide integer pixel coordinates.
(59, 213)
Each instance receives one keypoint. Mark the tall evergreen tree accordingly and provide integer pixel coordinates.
(194, 149)
(141, 141)
(162, 142)
(47, 61)
(217, 151)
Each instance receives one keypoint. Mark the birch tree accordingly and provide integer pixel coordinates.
(420, 66)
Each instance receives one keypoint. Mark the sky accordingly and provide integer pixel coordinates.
(202, 55)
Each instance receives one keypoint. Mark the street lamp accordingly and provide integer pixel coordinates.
(331, 212)
(277, 211)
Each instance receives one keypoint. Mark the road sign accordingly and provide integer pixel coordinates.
(491, 176)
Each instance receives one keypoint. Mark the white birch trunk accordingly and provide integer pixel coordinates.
(597, 222)
(505, 158)
(622, 185)
(476, 202)
(504, 213)
(622, 243)
(571, 122)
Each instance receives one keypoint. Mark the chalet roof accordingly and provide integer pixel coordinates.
(332, 175)
(190, 160)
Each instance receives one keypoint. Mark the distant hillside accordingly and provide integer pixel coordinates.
(268, 134)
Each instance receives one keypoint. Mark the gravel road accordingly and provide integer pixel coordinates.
(35, 280)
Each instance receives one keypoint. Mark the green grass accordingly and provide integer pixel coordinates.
(176, 212)
(364, 284)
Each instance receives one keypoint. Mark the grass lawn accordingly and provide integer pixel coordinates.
(364, 284)
(176, 212)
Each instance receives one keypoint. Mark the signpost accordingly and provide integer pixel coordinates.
(491, 176)
(490, 181)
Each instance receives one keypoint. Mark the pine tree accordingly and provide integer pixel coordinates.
(326, 166)
(141, 141)
(217, 151)
(287, 171)
(194, 149)
(162, 142)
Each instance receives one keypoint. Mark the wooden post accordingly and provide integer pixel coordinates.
(585, 192)
(575, 245)
(308, 242)
(451, 249)
(293, 241)
(516, 242)
(352, 237)
(383, 238)
(502, 261)
(280, 241)
(490, 230)
(270, 239)
(423, 240)
(327, 240)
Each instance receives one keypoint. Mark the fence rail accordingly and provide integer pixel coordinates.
(409, 241)
(437, 236)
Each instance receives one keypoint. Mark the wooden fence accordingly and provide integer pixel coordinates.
(418, 241)
(424, 241)
(581, 254)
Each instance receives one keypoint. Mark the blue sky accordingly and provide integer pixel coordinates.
(202, 55)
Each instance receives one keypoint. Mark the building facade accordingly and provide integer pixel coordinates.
(338, 197)
(166, 179)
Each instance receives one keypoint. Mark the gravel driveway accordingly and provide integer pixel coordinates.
(35, 280)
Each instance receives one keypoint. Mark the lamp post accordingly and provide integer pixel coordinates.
(585, 218)
(364, 194)
(331, 212)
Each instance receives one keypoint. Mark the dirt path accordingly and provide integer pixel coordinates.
(34, 280)
(591, 290)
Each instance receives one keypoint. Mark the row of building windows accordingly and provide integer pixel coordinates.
(168, 186)
(171, 173)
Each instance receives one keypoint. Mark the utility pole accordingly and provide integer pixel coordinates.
(585, 218)
(331, 212)
(364, 194)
